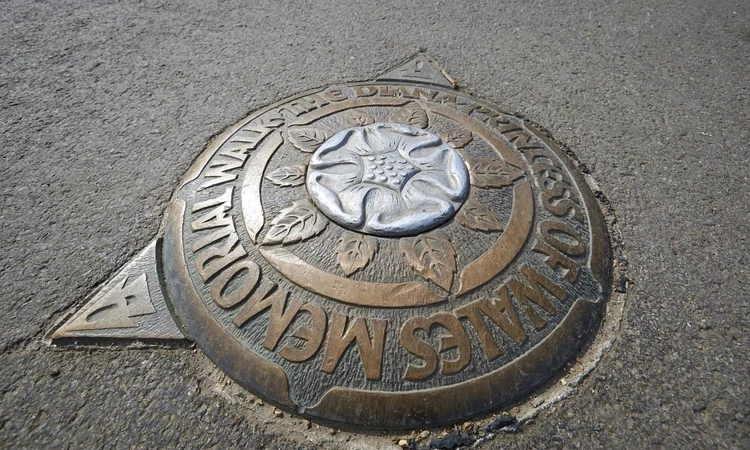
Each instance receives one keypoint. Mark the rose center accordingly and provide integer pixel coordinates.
(389, 170)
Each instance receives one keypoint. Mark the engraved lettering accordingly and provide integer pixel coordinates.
(215, 236)
(295, 108)
(340, 338)
(470, 108)
(312, 308)
(446, 98)
(551, 180)
(418, 348)
(315, 101)
(417, 93)
(312, 336)
(365, 91)
(248, 137)
(491, 118)
(514, 132)
(500, 311)
(209, 261)
(280, 317)
(523, 293)
(212, 260)
(335, 95)
(427, 94)
(522, 139)
(246, 273)
(247, 311)
(562, 207)
(306, 104)
(563, 238)
(555, 185)
(282, 314)
(217, 171)
(455, 339)
(217, 217)
(268, 295)
(263, 126)
(555, 260)
(399, 91)
(507, 127)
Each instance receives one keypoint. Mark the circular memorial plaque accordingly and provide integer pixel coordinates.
(386, 254)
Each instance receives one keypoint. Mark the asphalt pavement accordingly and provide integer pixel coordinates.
(104, 106)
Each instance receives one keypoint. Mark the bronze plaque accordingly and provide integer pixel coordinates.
(386, 254)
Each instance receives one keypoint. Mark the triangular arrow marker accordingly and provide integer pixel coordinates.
(420, 69)
(130, 306)
(115, 308)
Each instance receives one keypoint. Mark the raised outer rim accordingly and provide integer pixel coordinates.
(378, 409)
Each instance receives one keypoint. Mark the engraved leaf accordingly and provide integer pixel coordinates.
(457, 139)
(288, 176)
(307, 139)
(489, 173)
(475, 215)
(411, 114)
(354, 118)
(432, 256)
(355, 251)
(296, 223)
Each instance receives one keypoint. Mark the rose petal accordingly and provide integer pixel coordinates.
(379, 139)
(421, 148)
(353, 201)
(424, 209)
(437, 184)
(332, 153)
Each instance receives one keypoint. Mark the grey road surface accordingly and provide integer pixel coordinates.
(103, 106)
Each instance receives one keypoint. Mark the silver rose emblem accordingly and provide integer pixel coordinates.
(387, 179)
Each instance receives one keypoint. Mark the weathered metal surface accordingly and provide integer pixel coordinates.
(347, 295)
